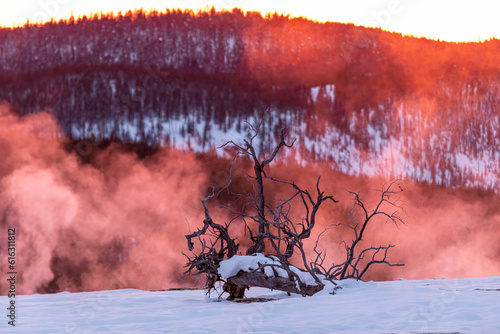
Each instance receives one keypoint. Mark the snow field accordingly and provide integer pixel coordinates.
(469, 305)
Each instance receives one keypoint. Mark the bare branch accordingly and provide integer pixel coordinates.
(385, 207)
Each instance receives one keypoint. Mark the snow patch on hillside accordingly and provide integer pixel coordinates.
(418, 149)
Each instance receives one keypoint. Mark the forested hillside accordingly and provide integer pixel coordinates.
(367, 101)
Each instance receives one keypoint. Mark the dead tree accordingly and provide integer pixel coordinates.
(274, 231)
(387, 207)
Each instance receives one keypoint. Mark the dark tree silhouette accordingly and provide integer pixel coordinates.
(275, 231)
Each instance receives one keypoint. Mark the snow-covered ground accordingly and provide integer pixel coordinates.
(469, 305)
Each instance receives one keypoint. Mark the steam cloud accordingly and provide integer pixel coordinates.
(120, 221)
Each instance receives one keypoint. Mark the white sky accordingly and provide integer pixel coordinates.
(453, 20)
